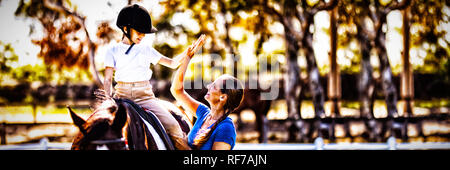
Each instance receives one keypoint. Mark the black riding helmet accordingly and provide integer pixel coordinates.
(136, 17)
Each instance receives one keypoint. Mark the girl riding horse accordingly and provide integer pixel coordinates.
(129, 61)
(121, 124)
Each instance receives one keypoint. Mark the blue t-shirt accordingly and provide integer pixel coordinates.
(224, 132)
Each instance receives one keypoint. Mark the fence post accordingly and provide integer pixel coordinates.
(44, 143)
(392, 144)
(3, 133)
(34, 108)
(319, 143)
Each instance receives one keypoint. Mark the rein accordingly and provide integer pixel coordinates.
(110, 141)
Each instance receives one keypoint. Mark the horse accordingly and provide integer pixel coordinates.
(121, 124)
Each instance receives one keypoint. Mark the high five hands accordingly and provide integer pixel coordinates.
(196, 46)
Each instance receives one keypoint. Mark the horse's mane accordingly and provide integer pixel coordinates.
(103, 101)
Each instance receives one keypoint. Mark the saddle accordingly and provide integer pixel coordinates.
(143, 123)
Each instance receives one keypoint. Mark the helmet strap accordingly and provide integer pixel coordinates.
(128, 35)
(129, 48)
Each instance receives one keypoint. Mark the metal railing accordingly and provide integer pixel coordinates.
(318, 144)
(43, 144)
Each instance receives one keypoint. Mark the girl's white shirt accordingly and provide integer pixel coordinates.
(134, 66)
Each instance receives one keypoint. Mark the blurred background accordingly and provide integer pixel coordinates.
(350, 70)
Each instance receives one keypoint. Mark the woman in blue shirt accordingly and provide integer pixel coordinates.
(213, 130)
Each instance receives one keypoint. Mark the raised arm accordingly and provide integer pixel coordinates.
(177, 88)
(175, 62)
(107, 83)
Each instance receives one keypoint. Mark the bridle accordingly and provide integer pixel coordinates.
(101, 143)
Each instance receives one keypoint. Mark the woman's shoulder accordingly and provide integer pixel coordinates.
(226, 124)
(201, 110)
(202, 106)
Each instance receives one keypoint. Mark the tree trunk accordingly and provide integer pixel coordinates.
(292, 82)
(293, 88)
(365, 82)
(315, 87)
(389, 90)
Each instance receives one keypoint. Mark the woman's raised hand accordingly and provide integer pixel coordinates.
(177, 87)
(196, 45)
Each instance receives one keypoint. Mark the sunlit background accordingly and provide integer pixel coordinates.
(233, 32)
(20, 31)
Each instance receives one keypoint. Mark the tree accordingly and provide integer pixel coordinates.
(66, 42)
(429, 42)
(7, 58)
(369, 18)
(296, 40)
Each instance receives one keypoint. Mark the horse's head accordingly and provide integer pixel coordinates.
(103, 129)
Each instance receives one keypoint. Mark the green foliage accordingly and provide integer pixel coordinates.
(428, 33)
(7, 58)
(29, 73)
